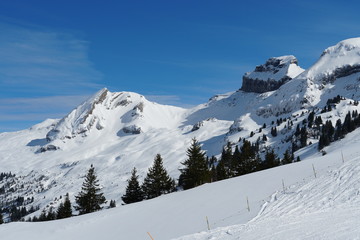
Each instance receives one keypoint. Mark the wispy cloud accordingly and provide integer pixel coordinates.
(43, 61)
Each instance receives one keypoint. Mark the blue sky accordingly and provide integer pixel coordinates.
(54, 54)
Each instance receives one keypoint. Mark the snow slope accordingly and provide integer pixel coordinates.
(306, 210)
(326, 207)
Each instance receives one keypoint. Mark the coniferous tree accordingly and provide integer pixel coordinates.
(64, 210)
(248, 161)
(236, 159)
(42, 216)
(287, 158)
(51, 215)
(303, 137)
(133, 192)
(273, 131)
(221, 173)
(227, 160)
(157, 180)
(311, 119)
(271, 159)
(195, 171)
(112, 204)
(1, 218)
(264, 138)
(90, 198)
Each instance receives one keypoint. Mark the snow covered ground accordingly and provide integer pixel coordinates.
(311, 208)
(326, 207)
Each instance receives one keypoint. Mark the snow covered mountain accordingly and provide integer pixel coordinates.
(117, 131)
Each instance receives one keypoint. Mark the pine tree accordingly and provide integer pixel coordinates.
(90, 198)
(64, 210)
(157, 180)
(227, 160)
(133, 192)
(51, 215)
(287, 158)
(195, 171)
(248, 161)
(220, 172)
(1, 218)
(112, 204)
(271, 159)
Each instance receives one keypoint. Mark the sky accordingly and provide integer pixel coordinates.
(55, 54)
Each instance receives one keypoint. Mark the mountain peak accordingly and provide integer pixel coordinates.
(344, 46)
(340, 60)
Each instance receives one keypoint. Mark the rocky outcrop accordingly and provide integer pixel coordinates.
(46, 148)
(271, 75)
(132, 129)
(343, 71)
(261, 86)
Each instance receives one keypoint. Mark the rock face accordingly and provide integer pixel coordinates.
(271, 75)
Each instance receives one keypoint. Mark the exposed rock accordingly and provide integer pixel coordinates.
(271, 75)
(236, 127)
(46, 148)
(133, 129)
(139, 107)
(344, 71)
(261, 86)
(197, 126)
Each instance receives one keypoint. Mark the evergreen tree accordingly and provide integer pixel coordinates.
(220, 172)
(273, 131)
(338, 130)
(51, 215)
(42, 216)
(133, 192)
(311, 119)
(227, 160)
(303, 137)
(236, 159)
(248, 161)
(90, 198)
(64, 210)
(271, 159)
(195, 171)
(112, 204)
(1, 218)
(157, 180)
(287, 158)
(264, 138)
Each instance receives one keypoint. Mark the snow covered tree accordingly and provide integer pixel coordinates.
(64, 210)
(195, 171)
(133, 192)
(90, 197)
(157, 180)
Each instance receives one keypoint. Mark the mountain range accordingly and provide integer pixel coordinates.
(117, 131)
